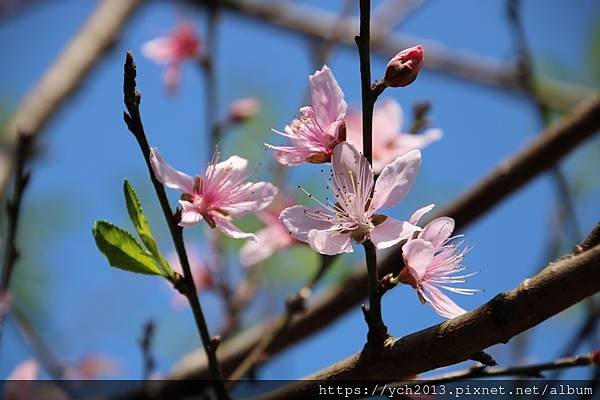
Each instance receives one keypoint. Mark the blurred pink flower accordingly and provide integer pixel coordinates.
(388, 140)
(243, 109)
(430, 261)
(221, 193)
(18, 386)
(202, 273)
(28, 370)
(329, 229)
(5, 301)
(319, 127)
(92, 367)
(272, 238)
(182, 44)
(404, 67)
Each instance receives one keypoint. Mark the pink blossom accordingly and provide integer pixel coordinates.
(319, 127)
(202, 273)
(219, 194)
(272, 238)
(28, 370)
(18, 385)
(5, 302)
(181, 44)
(431, 260)
(330, 228)
(403, 69)
(92, 367)
(243, 109)
(388, 140)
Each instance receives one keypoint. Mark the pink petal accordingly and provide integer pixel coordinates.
(189, 214)
(329, 242)
(441, 303)
(346, 159)
(290, 155)
(231, 172)
(172, 77)
(417, 215)
(438, 231)
(387, 122)
(250, 197)
(229, 229)
(327, 97)
(299, 224)
(269, 240)
(391, 231)
(418, 255)
(169, 175)
(396, 180)
(406, 142)
(28, 370)
(160, 50)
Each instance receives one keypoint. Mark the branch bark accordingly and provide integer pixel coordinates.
(67, 73)
(557, 287)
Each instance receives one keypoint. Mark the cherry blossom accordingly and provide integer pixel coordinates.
(431, 261)
(388, 140)
(353, 216)
(220, 193)
(182, 44)
(319, 127)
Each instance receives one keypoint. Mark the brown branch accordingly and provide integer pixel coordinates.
(316, 23)
(546, 149)
(69, 70)
(560, 285)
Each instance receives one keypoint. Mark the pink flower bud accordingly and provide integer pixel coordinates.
(242, 109)
(403, 69)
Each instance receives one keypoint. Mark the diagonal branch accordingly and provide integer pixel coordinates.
(557, 287)
(545, 150)
(316, 23)
(67, 73)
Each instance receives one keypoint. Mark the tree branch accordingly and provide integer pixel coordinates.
(316, 23)
(68, 72)
(560, 285)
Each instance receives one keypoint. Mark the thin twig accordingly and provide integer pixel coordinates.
(145, 342)
(377, 329)
(133, 120)
(368, 102)
(13, 209)
(294, 305)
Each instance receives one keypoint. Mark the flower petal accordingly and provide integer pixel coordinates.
(329, 242)
(250, 197)
(417, 215)
(299, 224)
(169, 175)
(391, 231)
(159, 50)
(418, 255)
(441, 303)
(269, 240)
(396, 180)
(352, 174)
(229, 229)
(438, 231)
(189, 214)
(327, 97)
(387, 121)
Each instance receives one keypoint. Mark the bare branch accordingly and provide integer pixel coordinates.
(69, 70)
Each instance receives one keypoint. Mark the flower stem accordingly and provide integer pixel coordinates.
(134, 122)
(377, 329)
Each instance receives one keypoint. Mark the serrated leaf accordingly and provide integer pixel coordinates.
(122, 250)
(142, 227)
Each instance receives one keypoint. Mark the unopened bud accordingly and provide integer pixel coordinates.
(403, 69)
(243, 109)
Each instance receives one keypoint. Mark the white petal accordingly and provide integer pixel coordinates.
(299, 224)
(418, 254)
(417, 215)
(396, 180)
(169, 175)
(391, 231)
(329, 242)
(229, 229)
(438, 231)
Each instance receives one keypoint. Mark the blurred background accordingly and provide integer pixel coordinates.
(81, 306)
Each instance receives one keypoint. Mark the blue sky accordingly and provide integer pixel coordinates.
(89, 307)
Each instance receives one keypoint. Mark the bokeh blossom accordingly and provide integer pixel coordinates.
(388, 140)
(272, 238)
(182, 44)
(319, 127)
(219, 194)
(431, 262)
(242, 109)
(331, 228)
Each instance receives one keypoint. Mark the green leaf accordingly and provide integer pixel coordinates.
(140, 222)
(122, 250)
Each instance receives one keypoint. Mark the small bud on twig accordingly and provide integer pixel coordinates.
(403, 69)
